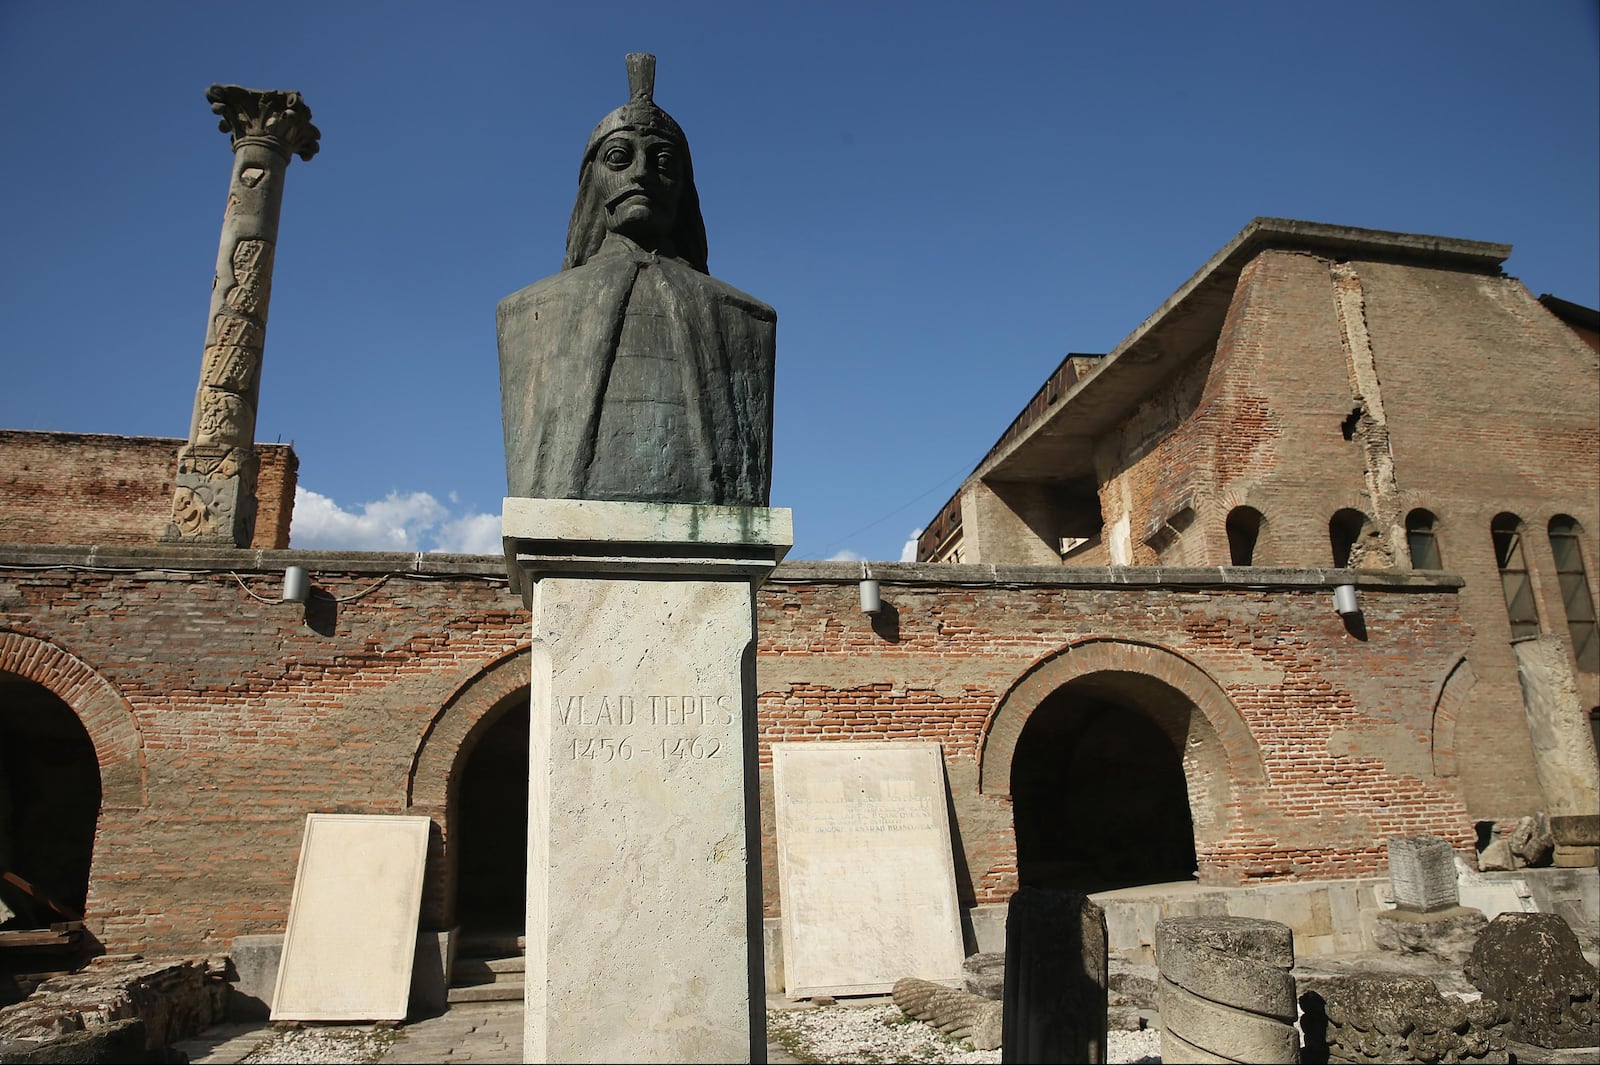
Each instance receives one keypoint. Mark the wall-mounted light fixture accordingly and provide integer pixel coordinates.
(871, 601)
(1345, 601)
(296, 585)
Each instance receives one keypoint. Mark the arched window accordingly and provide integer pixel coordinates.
(1507, 532)
(1244, 529)
(1344, 531)
(1421, 540)
(1565, 534)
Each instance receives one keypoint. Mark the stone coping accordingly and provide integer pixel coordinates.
(606, 522)
(163, 558)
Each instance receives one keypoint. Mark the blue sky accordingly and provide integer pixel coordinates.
(941, 200)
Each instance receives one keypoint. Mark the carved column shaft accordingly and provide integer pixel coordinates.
(214, 501)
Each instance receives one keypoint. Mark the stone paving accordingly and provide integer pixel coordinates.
(487, 1032)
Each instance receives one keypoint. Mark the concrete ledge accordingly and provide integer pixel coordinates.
(254, 974)
(599, 538)
(1251, 577)
(155, 560)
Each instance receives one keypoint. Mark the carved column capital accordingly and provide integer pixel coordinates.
(273, 116)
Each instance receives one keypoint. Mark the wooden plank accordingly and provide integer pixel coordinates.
(39, 938)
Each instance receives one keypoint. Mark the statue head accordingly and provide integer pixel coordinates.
(637, 180)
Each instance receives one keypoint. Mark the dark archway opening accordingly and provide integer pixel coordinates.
(492, 823)
(1243, 526)
(1099, 799)
(49, 806)
(1345, 530)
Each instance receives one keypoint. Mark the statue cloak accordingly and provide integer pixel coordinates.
(559, 342)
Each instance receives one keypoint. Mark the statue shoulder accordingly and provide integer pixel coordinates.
(729, 298)
(569, 286)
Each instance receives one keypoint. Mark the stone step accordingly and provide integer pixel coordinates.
(497, 992)
(490, 945)
(486, 970)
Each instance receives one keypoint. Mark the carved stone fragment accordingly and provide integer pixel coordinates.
(1446, 934)
(954, 1012)
(984, 974)
(1383, 1018)
(1534, 964)
(1531, 841)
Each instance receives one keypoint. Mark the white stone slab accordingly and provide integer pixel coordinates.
(865, 867)
(352, 919)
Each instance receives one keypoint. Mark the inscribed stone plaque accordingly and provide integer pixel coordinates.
(1422, 871)
(865, 867)
(353, 919)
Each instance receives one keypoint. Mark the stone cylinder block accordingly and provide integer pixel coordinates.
(1226, 993)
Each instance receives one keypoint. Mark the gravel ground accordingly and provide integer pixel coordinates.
(335, 1046)
(885, 1034)
(834, 1034)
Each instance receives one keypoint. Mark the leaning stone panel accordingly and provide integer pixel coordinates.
(1226, 992)
(866, 868)
(352, 935)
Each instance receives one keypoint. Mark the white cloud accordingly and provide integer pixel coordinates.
(908, 553)
(412, 522)
(475, 534)
(846, 555)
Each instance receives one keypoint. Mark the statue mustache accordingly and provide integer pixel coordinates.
(627, 194)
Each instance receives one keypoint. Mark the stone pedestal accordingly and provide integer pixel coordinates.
(1422, 872)
(644, 896)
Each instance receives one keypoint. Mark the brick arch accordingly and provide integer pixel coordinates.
(1245, 493)
(106, 716)
(1447, 707)
(445, 739)
(444, 747)
(1220, 747)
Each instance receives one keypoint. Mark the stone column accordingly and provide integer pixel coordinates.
(214, 501)
(1563, 748)
(1056, 977)
(644, 931)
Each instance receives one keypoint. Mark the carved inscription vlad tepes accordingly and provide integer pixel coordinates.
(625, 727)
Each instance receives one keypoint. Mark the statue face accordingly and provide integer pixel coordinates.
(640, 177)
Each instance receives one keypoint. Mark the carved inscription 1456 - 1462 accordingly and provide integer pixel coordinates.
(625, 727)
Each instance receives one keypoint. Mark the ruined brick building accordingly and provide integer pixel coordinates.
(1122, 631)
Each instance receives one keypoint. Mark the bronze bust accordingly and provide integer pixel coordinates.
(633, 374)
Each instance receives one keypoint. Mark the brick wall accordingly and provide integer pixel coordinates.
(222, 716)
(87, 488)
(1487, 402)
